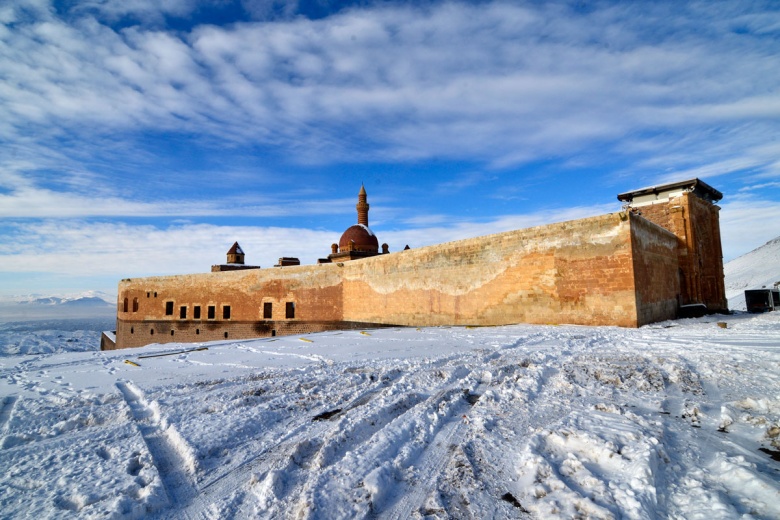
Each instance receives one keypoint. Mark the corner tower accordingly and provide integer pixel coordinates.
(688, 209)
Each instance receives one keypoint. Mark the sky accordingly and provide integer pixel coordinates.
(144, 137)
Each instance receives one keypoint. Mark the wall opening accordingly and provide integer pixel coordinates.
(126, 305)
(197, 331)
(169, 308)
(151, 332)
(171, 333)
(196, 312)
(226, 335)
(212, 312)
(135, 304)
(268, 310)
(226, 312)
(183, 312)
(290, 310)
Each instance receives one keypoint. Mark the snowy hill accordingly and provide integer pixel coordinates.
(674, 420)
(754, 270)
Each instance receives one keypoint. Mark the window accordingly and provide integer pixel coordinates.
(290, 310)
(169, 308)
(226, 335)
(151, 332)
(171, 333)
(268, 310)
(196, 312)
(126, 305)
(135, 304)
(183, 312)
(226, 312)
(212, 311)
(197, 331)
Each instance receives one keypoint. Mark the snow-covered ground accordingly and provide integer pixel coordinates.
(754, 270)
(674, 420)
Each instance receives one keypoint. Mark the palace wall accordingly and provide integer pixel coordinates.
(577, 272)
(615, 269)
(655, 267)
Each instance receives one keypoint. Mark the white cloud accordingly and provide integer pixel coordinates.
(746, 224)
(495, 81)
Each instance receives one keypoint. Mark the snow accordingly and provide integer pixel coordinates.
(664, 421)
(757, 269)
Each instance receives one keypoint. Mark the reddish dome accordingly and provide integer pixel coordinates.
(364, 239)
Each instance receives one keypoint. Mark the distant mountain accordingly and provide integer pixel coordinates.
(92, 304)
(758, 268)
(86, 301)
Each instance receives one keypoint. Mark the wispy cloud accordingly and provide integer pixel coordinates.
(501, 82)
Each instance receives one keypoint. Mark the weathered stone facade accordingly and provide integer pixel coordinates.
(616, 269)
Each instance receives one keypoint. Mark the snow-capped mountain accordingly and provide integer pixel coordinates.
(754, 270)
(38, 306)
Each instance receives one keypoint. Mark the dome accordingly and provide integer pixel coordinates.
(364, 239)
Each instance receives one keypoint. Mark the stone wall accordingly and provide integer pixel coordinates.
(571, 272)
(654, 253)
(578, 272)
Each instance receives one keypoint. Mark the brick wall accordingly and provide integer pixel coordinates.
(572, 272)
(579, 272)
(655, 267)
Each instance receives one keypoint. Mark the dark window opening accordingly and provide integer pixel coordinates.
(155, 294)
(268, 310)
(197, 331)
(169, 308)
(212, 312)
(132, 330)
(151, 332)
(226, 312)
(171, 333)
(135, 304)
(226, 335)
(148, 294)
(290, 310)
(196, 312)
(273, 332)
(126, 305)
(183, 312)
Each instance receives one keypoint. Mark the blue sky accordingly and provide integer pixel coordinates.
(143, 137)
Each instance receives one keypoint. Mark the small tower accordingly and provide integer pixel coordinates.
(235, 261)
(235, 255)
(362, 207)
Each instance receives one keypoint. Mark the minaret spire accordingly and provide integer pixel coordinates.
(362, 207)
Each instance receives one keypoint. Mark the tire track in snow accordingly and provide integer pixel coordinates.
(175, 466)
(300, 442)
(434, 458)
(6, 411)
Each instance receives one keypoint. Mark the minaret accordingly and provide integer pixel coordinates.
(362, 207)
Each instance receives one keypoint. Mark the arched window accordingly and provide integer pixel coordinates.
(135, 304)
(125, 306)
